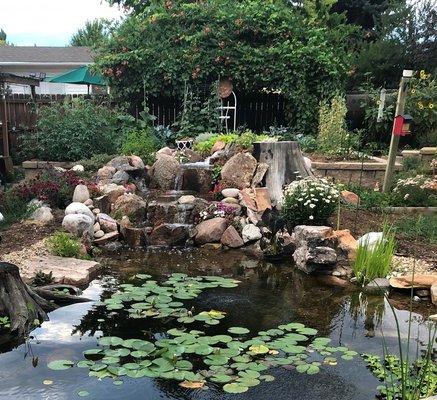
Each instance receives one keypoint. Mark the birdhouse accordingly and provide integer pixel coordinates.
(401, 125)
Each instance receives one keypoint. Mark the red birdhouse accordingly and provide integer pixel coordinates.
(401, 125)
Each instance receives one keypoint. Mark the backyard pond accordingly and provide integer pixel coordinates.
(247, 298)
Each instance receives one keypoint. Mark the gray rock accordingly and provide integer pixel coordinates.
(106, 173)
(187, 199)
(99, 234)
(77, 224)
(120, 177)
(131, 205)
(81, 194)
(230, 200)
(239, 170)
(377, 285)
(261, 170)
(96, 227)
(211, 230)
(169, 235)
(78, 168)
(119, 162)
(231, 238)
(165, 171)
(370, 239)
(89, 203)
(79, 208)
(107, 223)
(107, 237)
(231, 192)
(251, 233)
(42, 214)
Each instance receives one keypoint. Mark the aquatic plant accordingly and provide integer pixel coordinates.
(5, 323)
(238, 360)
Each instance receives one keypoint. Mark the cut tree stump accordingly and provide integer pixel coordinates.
(19, 302)
(286, 164)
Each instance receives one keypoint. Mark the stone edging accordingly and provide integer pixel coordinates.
(411, 210)
(36, 164)
(376, 164)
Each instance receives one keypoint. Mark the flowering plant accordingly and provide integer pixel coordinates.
(418, 191)
(309, 201)
(218, 210)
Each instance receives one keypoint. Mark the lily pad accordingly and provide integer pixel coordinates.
(235, 388)
(237, 330)
(59, 365)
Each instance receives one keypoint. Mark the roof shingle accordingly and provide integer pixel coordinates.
(34, 54)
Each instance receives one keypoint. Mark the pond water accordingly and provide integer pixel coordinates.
(267, 296)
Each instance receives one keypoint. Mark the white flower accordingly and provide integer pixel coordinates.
(311, 217)
(406, 196)
(312, 205)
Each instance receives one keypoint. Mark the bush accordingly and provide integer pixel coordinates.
(95, 162)
(418, 191)
(369, 198)
(63, 245)
(13, 207)
(73, 130)
(374, 261)
(141, 143)
(334, 140)
(309, 202)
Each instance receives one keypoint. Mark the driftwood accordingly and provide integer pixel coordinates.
(54, 293)
(19, 302)
(286, 164)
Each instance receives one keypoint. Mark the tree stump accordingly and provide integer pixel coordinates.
(286, 164)
(19, 302)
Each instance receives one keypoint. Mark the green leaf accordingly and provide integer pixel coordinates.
(59, 365)
(235, 388)
(237, 330)
(83, 393)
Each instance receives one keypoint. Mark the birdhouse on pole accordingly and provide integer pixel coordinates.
(401, 125)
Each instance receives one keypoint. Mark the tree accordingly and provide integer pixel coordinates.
(93, 34)
(3, 37)
(260, 45)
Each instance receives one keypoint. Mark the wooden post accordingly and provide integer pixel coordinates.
(394, 143)
(7, 161)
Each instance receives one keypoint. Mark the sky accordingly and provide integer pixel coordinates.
(49, 22)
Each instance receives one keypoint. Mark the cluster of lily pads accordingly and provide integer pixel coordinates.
(238, 359)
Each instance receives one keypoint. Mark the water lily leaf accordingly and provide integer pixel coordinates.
(204, 350)
(267, 378)
(248, 381)
(291, 326)
(274, 332)
(249, 374)
(142, 276)
(111, 341)
(186, 320)
(131, 366)
(235, 388)
(136, 373)
(110, 360)
(85, 364)
(220, 378)
(118, 383)
(83, 393)
(184, 365)
(307, 331)
(59, 365)
(313, 369)
(259, 349)
(238, 330)
(222, 338)
(216, 360)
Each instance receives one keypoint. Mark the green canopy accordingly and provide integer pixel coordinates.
(79, 76)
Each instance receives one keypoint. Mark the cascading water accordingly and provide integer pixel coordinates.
(179, 181)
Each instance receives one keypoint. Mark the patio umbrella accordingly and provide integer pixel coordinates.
(79, 76)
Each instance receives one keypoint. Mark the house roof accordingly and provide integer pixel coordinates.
(22, 55)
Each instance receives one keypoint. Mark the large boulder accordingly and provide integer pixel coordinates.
(120, 177)
(231, 238)
(130, 205)
(251, 233)
(42, 214)
(210, 230)
(81, 194)
(239, 170)
(79, 208)
(119, 162)
(77, 224)
(105, 173)
(165, 171)
(197, 180)
(169, 235)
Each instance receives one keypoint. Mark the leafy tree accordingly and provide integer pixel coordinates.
(3, 37)
(162, 46)
(93, 34)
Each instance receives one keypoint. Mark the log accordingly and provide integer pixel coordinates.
(286, 164)
(19, 302)
(59, 297)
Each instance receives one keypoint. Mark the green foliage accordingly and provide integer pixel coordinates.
(374, 261)
(64, 245)
(95, 162)
(423, 228)
(163, 47)
(141, 143)
(371, 199)
(93, 34)
(416, 191)
(13, 207)
(73, 130)
(309, 201)
(5, 323)
(42, 279)
(334, 140)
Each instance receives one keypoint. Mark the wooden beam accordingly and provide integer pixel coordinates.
(4, 118)
(19, 80)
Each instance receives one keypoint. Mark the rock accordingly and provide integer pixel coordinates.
(2, 218)
(261, 170)
(78, 168)
(377, 285)
(136, 162)
(187, 199)
(251, 233)
(191, 156)
(196, 180)
(96, 211)
(239, 170)
(248, 199)
(113, 191)
(119, 162)
(60, 169)
(81, 194)
(134, 237)
(103, 203)
(230, 200)
(334, 281)
(89, 202)
(120, 177)
(423, 293)
(131, 205)
(219, 145)
(421, 281)
(308, 163)
(231, 192)
(79, 208)
(433, 291)
(42, 214)
(253, 216)
(107, 223)
(106, 173)
(165, 171)
(96, 227)
(262, 199)
(212, 246)
(433, 317)
(210, 230)
(66, 270)
(99, 234)
(231, 238)
(346, 243)
(350, 197)
(169, 235)
(166, 151)
(107, 237)
(370, 239)
(77, 224)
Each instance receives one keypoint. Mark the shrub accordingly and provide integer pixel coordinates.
(73, 130)
(64, 245)
(141, 143)
(423, 228)
(334, 140)
(13, 207)
(96, 161)
(309, 201)
(371, 199)
(374, 261)
(418, 191)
